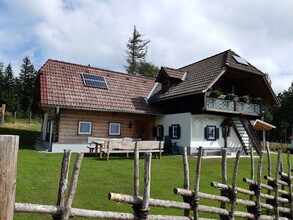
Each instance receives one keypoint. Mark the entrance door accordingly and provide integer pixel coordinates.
(141, 130)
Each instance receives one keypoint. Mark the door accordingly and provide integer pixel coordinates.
(141, 130)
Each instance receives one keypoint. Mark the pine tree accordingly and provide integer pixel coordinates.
(136, 52)
(26, 81)
(11, 98)
(1, 83)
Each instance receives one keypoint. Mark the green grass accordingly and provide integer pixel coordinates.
(38, 177)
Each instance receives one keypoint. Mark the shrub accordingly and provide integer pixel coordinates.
(231, 96)
(216, 93)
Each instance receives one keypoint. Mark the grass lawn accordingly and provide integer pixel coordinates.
(38, 177)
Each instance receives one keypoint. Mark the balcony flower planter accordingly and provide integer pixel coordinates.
(230, 96)
(257, 100)
(244, 98)
(215, 94)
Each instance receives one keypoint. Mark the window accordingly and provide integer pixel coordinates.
(211, 133)
(84, 127)
(174, 131)
(114, 128)
(159, 131)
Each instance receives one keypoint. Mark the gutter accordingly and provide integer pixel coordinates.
(91, 109)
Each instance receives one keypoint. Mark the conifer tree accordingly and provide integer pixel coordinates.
(1, 83)
(136, 52)
(26, 81)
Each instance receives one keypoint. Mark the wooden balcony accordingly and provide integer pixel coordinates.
(229, 106)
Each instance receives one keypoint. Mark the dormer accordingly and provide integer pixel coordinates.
(169, 77)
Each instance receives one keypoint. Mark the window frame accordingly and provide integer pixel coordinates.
(114, 133)
(79, 132)
(175, 131)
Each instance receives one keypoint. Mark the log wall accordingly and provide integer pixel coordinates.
(68, 125)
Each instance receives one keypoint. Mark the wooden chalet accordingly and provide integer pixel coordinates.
(211, 103)
(82, 101)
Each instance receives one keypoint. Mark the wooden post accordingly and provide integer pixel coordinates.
(8, 167)
(145, 206)
(136, 170)
(196, 188)
(72, 188)
(233, 188)
(63, 182)
(224, 176)
(14, 117)
(258, 189)
(290, 184)
(276, 204)
(2, 113)
(30, 117)
(186, 176)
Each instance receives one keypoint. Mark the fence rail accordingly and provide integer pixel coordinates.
(266, 201)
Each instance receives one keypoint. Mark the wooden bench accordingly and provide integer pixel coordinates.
(120, 146)
(205, 150)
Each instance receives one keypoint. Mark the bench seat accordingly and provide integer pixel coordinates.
(113, 146)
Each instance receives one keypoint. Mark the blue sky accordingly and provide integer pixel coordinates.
(95, 32)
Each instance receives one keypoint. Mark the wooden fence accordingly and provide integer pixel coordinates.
(272, 200)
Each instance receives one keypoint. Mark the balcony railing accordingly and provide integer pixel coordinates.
(233, 106)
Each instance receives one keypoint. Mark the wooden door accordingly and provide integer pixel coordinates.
(141, 130)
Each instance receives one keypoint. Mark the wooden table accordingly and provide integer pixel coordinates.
(99, 144)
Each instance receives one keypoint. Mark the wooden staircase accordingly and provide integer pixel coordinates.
(241, 134)
(254, 140)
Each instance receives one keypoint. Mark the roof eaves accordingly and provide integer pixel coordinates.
(175, 96)
(96, 109)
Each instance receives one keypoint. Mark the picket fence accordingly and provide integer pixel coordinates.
(267, 197)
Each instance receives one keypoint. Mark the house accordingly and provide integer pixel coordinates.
(82, 101)
(211, 103)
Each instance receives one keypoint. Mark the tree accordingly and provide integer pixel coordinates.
(26, 81)
(148, 69)
(136, 52)
(10, 89)
(283, 116)
(1, 83)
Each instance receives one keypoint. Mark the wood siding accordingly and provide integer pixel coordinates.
(68, 125)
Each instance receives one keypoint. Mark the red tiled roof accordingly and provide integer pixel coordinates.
(61, 84)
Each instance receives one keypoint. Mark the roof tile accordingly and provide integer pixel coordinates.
(61, 84)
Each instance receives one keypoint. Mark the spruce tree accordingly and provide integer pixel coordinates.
(1, 83)
(26, 81)
(136, 52)
(11, 98)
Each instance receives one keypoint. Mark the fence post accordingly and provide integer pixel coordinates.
(2, 113)
(8, 166)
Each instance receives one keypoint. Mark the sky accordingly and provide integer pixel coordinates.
(95, 32)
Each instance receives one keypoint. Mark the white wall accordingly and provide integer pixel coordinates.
(199, 122)
(184, 120)
(192, 130)
(58, 147)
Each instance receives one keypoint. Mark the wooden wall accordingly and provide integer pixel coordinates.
(68, 125)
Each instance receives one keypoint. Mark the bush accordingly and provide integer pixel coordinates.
(216, 93)
(231, 96)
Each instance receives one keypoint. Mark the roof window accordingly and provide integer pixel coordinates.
(240, 60)
(95, 81)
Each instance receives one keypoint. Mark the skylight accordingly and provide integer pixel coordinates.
(96, 81)
(240, 60)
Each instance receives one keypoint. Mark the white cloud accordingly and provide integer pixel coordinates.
(181, 32)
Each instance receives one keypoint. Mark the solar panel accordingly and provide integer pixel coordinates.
(240, 60)
(96, 81)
